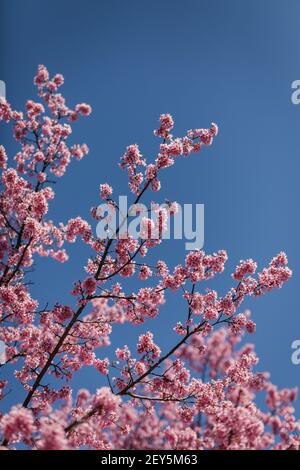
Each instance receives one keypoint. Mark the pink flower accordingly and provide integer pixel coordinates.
(58, 79)
(3, 157)
(275, 275)
(53, 436)
(102, 365)
(197, 303)
(42, 75)
(146, 345)
(251, 326)
(83, 109)
(59, 255)
(41, 177)
(244, 268)
(180, 329)
(89, 285)
(39, 204)
(105, 191)
(145, 273)
(18, 424)
(166, 124)
(39, 156)
(132, 158)
(123, 354)
(279, 260)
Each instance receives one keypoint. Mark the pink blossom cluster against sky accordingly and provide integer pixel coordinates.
(200, 393)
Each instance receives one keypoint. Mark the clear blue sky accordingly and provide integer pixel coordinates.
(231, 62)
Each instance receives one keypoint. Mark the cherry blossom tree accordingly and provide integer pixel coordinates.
(202, 392)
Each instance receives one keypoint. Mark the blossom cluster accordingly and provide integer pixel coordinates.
(142, 173)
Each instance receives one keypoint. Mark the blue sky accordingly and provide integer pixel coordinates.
(230, 62)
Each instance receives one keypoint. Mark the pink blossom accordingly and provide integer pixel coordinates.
(244, 268)
(84, 109)
(18, 424)
(42, 75)
(166, 124)
(89, 285)
(145, 273)
(53, 436)
(123, 353)
(3, 157)
(102, 365)
(251, 326)
(105, 191)
(180, 329)
(147, 346)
